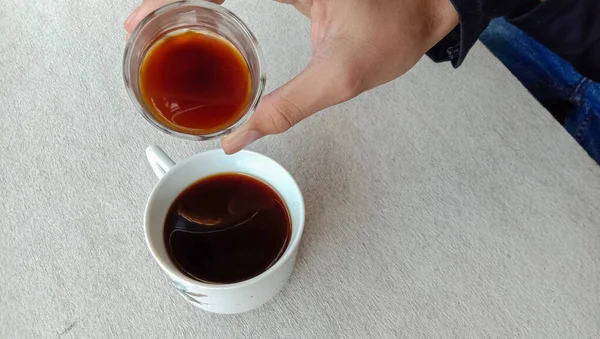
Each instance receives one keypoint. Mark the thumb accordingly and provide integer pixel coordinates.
(323, 83)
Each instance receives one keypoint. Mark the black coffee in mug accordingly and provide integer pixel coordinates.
(227, 228)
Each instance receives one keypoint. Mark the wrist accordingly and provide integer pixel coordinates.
(442, 18)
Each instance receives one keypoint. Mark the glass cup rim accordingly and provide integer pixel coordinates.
(239, 24)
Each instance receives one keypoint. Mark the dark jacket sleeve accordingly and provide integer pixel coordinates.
(569, 28)
(474, 16)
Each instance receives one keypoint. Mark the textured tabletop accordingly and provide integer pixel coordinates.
(446, 204)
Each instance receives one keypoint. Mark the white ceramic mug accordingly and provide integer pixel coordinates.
(174, 178)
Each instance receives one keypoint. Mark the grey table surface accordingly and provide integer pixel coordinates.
(446, 204)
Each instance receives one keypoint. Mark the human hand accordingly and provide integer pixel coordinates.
(147, 7)
(357, 45)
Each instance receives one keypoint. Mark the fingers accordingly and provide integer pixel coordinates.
(303, 7)
(323, 83)
(145, 8)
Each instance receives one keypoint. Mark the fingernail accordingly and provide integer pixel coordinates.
(132, 16)
(236, 142)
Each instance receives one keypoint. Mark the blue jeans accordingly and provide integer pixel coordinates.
(573, 99)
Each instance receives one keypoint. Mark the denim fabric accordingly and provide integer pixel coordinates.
(571, 98)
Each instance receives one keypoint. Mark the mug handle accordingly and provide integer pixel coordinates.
(159, 160)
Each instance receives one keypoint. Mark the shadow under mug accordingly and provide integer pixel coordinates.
(174, 178)
(201, 16)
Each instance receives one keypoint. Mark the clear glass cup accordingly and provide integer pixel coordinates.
(200, 16)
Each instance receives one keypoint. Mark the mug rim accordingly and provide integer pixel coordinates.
(218, 286)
